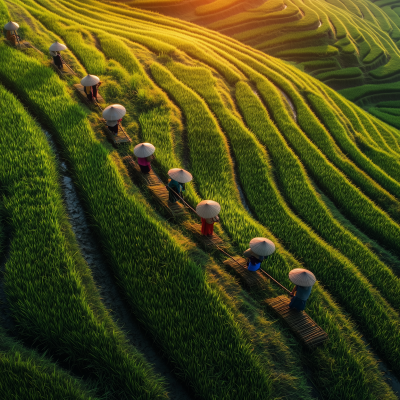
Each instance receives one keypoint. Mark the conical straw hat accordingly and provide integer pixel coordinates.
(114, 112)
(208, 209)
(90, 80)
(302, 277)
(57, 47)
(144, 150)
(11, 26)
(180, 175)
(262, 246)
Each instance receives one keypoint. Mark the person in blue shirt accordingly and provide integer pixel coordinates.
(304, 280)
(253, 260)
(260, 249)
(177, 190)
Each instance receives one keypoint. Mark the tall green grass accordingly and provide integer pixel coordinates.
(266, 11)
(27, 375)
(329, 364)
(46, 293)
(51, 12)
(203, 133)
(342, 138)
(355, 204)
(170, 42)
(4, 14)
(346, 24)
(336, 272)
(215, 6)
(377, 142)
(360, 123)
(166, 291)
(293, 179)
(387, 117)
(309, 52)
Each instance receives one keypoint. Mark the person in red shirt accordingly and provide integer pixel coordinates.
(207, 225)
(208, 211)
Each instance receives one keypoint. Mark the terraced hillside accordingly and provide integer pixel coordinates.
(287, 158)
(343, 43)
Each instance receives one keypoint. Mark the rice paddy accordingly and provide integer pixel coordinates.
(286, 114)
(345, 44)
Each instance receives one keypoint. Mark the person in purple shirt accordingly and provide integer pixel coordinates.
(145, 155)
(145, 163)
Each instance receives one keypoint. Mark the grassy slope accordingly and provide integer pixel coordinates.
(27, 375)
(49, 268)
(24, 371)
(358, 34)
(280, 220)
(237, 235)
(161, 313)
(124, 59)
(204, 163)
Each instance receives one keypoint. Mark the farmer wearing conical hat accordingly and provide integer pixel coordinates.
(145, 155)
(113, 115)
(95, 89)
(208, 210)
(304, 280)
(55, 49)
(11, 32)
(88, 83)
(260, 249)
(177, 183)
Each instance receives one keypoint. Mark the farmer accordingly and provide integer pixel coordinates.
(11, 32)
(207, 225)
(11, 37)
(145, 155)
(55, 49)
(304, 280)
(260, 249)
(113, 116)
(112, 125)
(208, 210)
(177, 183)
(253, 260)
(95, 88)
(89, 92)
(175, 189)
(89, 82)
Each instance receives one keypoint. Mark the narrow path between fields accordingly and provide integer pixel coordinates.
(285, 96)
(289, 101)
(388, 376)
(241, 193)
(105, 282)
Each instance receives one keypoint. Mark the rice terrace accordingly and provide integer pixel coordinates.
(200, 199)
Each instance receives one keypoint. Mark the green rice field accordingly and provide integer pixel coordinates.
(343, 43)
(286, 112)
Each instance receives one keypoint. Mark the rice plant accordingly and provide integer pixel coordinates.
(33, 376)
